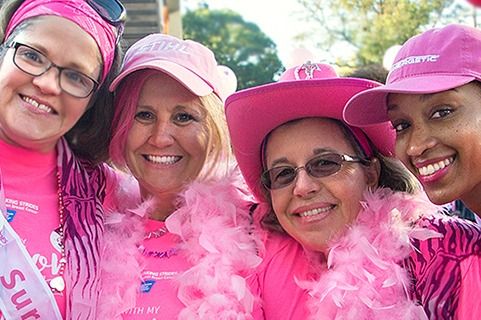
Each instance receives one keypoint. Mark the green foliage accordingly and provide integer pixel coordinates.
(372, 26)
(238, 44)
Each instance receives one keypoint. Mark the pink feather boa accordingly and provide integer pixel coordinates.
(120, 270)
(214, 226)
(364, 279)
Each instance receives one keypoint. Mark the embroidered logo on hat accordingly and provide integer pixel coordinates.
(414, 60)
(187, 61)
(163, 46)
(436, 60)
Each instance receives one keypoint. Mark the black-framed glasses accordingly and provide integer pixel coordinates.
(320, 166)
(35, 63)
(112, 11)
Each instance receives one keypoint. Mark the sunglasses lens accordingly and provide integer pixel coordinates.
(318, 167)
(111, 10)
(279, 177)
(324, 165)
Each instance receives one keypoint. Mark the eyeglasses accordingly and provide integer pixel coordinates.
(34, 63)
(321, 166)
(111, 11)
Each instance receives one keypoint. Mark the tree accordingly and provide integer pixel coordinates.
(238, 44)
(372, 26)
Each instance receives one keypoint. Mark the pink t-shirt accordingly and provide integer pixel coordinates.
(31, 196)
(157, 298)
(471, 275)
(273, 281)
(30, 182)
(283, 262)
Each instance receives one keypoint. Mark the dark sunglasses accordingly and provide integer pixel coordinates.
(112, 11)
(320, 166)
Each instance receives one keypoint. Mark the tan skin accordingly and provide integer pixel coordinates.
(167, 143)
(333, 202)
(441, 128)
(22, 122)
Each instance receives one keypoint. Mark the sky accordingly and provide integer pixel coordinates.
(281, 20)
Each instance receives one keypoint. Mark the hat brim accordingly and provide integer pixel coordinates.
(370, 107)
(253, 113)
(187, 78)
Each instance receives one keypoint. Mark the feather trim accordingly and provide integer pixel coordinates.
(121, 269)
(214, 226)
(363, 278)
(123, 229)
(215, 229)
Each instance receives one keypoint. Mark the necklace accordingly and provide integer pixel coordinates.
(57, 284)
(158, 254)
(155, 234)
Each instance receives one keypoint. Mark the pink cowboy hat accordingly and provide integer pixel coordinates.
(309, 90)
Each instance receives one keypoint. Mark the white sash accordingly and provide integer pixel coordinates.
(24, 293)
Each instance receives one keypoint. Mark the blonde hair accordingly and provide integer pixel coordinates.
(219, 153)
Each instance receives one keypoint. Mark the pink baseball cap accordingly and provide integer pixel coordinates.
(308, 90)
(187, 61)
(437, 60)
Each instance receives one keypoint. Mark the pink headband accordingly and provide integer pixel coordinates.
(77, 11)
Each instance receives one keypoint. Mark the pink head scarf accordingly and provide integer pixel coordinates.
(77, 11)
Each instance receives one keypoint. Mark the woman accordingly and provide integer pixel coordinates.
(57, 59)
(377, 251)
(187, 252)
(432, 99)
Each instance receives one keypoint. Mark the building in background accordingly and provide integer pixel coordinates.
(150, 16)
